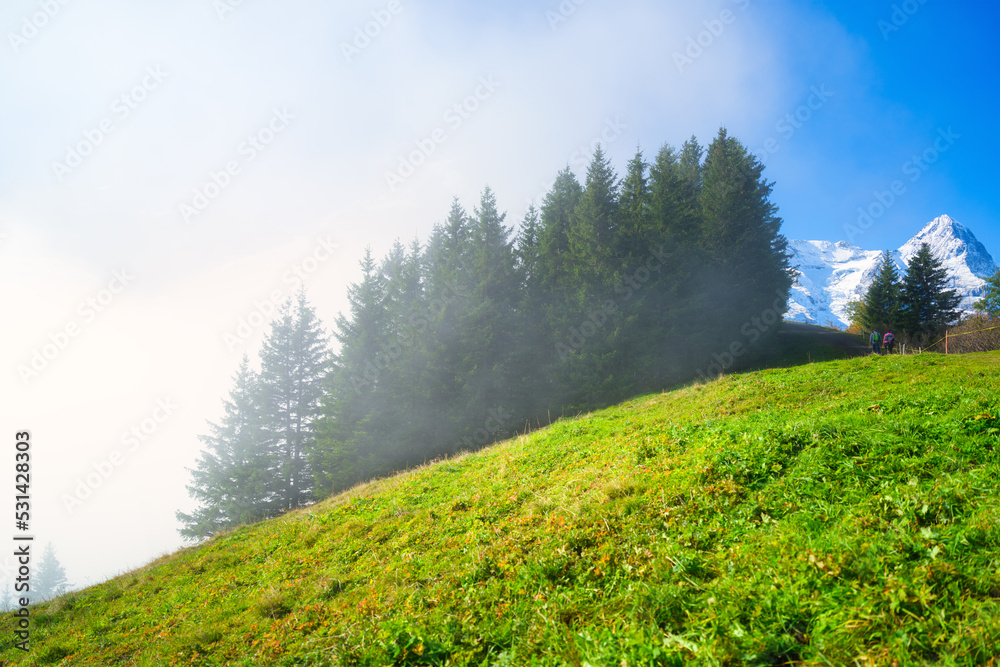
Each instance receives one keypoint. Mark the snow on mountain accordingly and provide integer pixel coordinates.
(830, 275)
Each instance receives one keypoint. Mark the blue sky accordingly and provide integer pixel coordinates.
(171, 170)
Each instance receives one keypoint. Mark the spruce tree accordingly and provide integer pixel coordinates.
(742, 241)
(231, 477)
(675, 210)
(594, 227)
(491, 323)
(634, 209)
(294, 363)
(990, 303)
(355, 386)
(50, 578)
(926, 306)
(879, 309)
(553, 234)
(7, 598)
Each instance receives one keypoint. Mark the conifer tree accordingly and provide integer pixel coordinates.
(50, 578)
(634, 207)
(926, 306)
(593, 227)
(879, 309)
(990, 303)
(493, 319)
(231, 477)
(355, 385)
(742, 239)
(7, 597)
(294, 363)
(553, 234)
(675, 211)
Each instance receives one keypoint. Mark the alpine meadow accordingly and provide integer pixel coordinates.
(540, 333)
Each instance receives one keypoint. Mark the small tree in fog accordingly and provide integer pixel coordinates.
(50, 579)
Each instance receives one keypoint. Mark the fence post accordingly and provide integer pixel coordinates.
(946, 341)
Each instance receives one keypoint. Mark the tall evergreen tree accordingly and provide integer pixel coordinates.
(634, 208)
(675, 209)
(553, 234)
(493, 319)
(742, 238)
(355, 386)
(50, 578)
(926, 306)
(294, 363)
(879, 309)
(231, 477)
(990, 303)
(593, 228)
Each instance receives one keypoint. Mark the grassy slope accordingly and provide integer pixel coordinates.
(834, 512)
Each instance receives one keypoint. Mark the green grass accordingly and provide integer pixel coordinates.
(836, 513)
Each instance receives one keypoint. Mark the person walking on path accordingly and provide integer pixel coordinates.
(887, 341)
(875, 340)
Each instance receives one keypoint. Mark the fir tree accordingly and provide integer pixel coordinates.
(593, 228)
(294, 363)
(741, 238)
(553, 234)
(634, 208)
(990, 303)
(926, 306)
(7, 598)
(50, 578)
(355, 384)
(491, 324)
(231, 477)
(675, 210)
(879, 309)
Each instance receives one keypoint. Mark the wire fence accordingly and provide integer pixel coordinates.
(952, 342)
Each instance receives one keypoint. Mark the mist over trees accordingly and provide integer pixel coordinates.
(615, 286)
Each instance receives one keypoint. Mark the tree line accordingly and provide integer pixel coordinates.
(614, 286)
(915, 307)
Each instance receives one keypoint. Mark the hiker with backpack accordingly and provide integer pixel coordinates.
(887, 341)
(875, 340)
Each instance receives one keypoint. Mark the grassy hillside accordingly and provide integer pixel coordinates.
(837, 513)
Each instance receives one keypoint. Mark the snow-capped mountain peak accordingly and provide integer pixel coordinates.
(832, 274)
